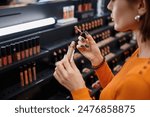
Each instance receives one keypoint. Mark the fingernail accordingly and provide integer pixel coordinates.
(87, 46)
(64, 56)
(83, 34)
(81, 38)
(72, 44)
(82, 46)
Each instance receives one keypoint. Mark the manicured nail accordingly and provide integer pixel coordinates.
(81, 38)
(86, 33)
(87, 46)
(82, 46)
(83, 34)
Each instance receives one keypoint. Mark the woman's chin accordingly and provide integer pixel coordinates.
(120, 29)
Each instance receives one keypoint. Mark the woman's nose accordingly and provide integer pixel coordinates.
(109, 6)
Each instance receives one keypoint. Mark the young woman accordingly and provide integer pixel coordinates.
(133, 81)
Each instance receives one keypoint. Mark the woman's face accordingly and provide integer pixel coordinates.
(123, 15)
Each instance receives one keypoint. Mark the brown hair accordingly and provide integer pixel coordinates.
(145, 23)
(5, 2)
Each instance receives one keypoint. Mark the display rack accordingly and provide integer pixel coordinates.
(54, 41)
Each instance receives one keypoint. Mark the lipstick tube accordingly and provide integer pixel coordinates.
(34, 71)
(26, 47)
(0, 58)
(18, 53)
(21, 77)
(9, 57)
(72, 11)
(13, 52)
(30, 47)
(55, 57)
(60, 54)
(64, 51)
(22, 52)
(26, 75)
(64, 12)
(30, 73)
(4, 56)
(34, 46)
(90, 5)
(38, 48)
(80, 6)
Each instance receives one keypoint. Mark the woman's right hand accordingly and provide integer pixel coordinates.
(90, 50)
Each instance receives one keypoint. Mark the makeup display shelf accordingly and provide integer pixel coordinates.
(28, 57)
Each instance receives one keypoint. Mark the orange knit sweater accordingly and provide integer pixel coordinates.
(131, 83)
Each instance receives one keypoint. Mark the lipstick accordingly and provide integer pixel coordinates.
(26, 47)
(0, 58)
(18, 53)
(34, 46)
(13, 52)
(22, 52)
(22, 77)
(9, 57)
(4, 56)
(26, 75)
(30, 73)
(34, 71)
(38, 48)
(30, 47)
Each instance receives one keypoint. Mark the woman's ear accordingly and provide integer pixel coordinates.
(142, 8)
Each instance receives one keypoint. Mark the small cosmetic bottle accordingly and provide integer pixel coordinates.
(102, 22)
(21, 77)
(26, 75)
(34, 71)
(30, 47)
(22, 52)
(90, 26)
(99, 22)
(14, 53)
(64, 12)
(60, 54)
(79, 5)
(72, 11)
(0, 58)
(18, 52)
(30, 73)
(38, 48)
(9, 57)
(84, 5)
(4, 56)
(93, 26)
(26, 47)
(55, 57)
(86, 26)
(64, 51)
(90, 5)
(34, 46)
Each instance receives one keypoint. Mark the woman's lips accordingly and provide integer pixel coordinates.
(112, 17)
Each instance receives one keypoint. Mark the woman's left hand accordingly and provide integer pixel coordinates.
(68, 75)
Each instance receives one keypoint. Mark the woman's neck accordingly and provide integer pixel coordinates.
(144, 47)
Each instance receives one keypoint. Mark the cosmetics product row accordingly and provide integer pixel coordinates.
(84, 5)
(91, 25)
(18, 51)
(68, 12)
(102, 35)
(27, 74)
